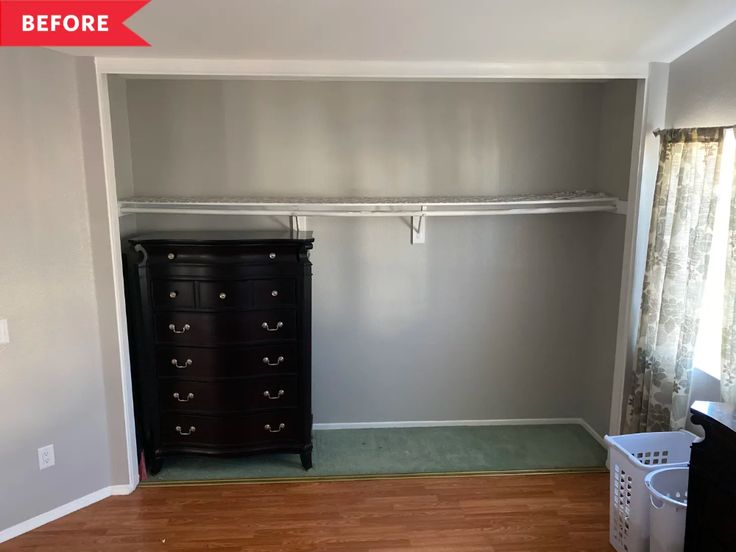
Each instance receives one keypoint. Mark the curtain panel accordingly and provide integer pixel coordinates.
(728, 344)
(677, 260)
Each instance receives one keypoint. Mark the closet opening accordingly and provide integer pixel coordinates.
(488, 331)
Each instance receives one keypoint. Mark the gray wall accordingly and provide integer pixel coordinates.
(494, 317)
(117, 93)
(486, 320)
(616, 130)
(702, 87)
(702, 92)
(361, 138)
(52, 387)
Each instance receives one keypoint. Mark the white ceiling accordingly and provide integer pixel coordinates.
(470, 31)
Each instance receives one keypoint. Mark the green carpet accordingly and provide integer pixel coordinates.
(421, 450)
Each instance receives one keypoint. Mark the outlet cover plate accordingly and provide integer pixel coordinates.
(46, 457)
(4, 333)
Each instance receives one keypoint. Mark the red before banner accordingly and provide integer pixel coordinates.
(68, 23)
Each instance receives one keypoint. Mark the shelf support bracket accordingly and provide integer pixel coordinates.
(622, 207)
(298, 223)
(418, 228)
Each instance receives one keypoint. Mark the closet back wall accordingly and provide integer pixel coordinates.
(493, 316)
(279, 138)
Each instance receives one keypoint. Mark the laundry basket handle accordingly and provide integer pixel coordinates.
(657, 501)
(654, 503)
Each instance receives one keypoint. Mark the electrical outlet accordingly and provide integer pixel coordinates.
(4, 333)
(46, 457)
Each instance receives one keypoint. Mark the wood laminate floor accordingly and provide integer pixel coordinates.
(511, 513)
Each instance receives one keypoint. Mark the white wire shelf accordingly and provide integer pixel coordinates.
(559, 202)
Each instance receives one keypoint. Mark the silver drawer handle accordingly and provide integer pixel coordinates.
(190, 396)
(192, 429)
(173, 294)
(267, 360)
(274, 293)
(280, 394)
(184, 328)
(171, 256)
(272, 256)
(187, 363)
(279, 325)
(267, 427)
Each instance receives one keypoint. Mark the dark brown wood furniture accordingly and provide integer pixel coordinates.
(220, 334)
(711, 521)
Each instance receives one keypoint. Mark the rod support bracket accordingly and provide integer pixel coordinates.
(298, 223)
(418, 227)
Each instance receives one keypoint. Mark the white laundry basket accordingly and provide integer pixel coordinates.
(668, 494)
(631, 458)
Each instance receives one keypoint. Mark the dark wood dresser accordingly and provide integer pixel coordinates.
(711, 502)
(220, 335)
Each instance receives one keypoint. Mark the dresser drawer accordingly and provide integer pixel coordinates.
(224, 271)
(210, 329)
(229, 396)
(196, 363)
(279, 292)
(224, 294)
(220, 254)
(173, 294)
(188, 430)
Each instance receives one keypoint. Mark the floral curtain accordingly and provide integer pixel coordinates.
(728, 345)
(677, 260)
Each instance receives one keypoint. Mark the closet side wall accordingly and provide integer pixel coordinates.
(117, 92)
(618, 104)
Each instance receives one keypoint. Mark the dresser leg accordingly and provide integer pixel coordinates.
(306, 458)
(155, 466)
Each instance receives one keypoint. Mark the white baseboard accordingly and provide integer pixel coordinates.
(593, 433)
(117, 490)
(63, 510)
(454, 423)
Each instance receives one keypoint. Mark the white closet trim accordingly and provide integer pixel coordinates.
(320, 70)
(368, 69)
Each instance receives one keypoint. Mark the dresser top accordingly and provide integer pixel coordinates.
(223, 237)
(723, 413)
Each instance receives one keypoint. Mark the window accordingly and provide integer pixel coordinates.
(707, 355)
